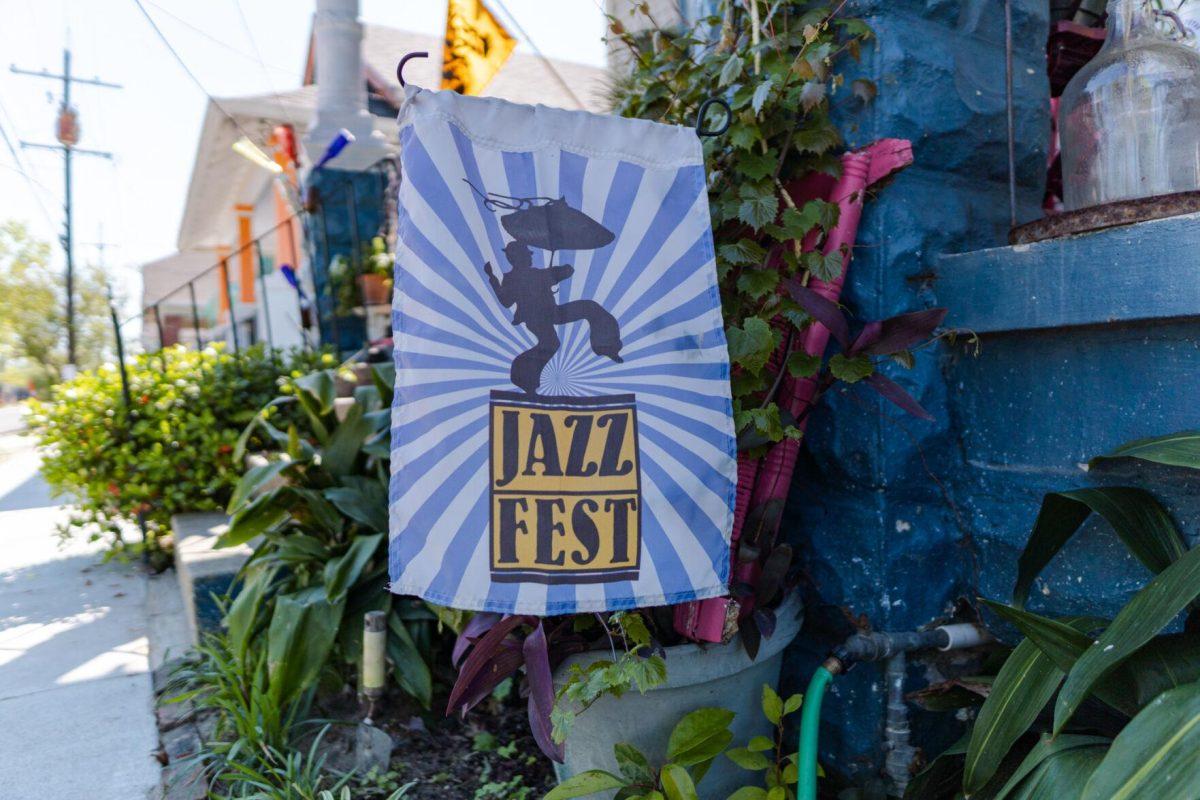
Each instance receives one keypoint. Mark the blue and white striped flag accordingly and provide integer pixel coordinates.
(562, 435)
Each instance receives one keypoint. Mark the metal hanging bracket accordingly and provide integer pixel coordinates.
(405, 60)
(704, 107)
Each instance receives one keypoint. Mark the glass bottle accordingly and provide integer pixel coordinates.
(1130, 118)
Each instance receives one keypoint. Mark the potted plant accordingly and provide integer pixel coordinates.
(375, 284)
(784, 227)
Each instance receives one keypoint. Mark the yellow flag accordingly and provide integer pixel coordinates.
(476, 47)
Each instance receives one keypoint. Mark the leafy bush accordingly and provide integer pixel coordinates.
(696, 741)
(320, 506)
(1084, 707)
(776, 64)
(170, 451)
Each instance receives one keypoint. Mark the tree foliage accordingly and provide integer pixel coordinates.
(33, 325)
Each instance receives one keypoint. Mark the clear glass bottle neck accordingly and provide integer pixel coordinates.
(1129, 19)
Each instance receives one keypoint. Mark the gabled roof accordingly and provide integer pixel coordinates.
(221, 178)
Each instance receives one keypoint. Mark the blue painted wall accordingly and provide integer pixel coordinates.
(335, 235)
(877, 507)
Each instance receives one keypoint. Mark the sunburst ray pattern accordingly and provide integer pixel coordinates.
(455, 343)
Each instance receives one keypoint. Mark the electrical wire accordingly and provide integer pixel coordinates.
(33, 183)
(179, 60)
(258, 56)
(545, 60)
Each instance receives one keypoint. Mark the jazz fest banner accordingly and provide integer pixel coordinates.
(562, 434)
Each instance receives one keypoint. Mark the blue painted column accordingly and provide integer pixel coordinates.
(332, 231)
(883, 538)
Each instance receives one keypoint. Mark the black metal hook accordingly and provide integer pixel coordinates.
(707, 104)
(405, 60)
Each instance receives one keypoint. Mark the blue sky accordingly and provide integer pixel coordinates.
(151, 125)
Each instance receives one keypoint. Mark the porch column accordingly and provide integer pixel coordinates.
(246, 258)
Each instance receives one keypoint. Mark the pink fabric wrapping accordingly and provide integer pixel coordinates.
(768, 479)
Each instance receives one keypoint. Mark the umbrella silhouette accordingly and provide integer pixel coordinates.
(547, 223)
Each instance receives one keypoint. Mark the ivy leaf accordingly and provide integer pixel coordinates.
(797, 222)
(759, 205)
(743, 135)
(803, 365)
(761, 93)
(756, 166)
(825, 267)
(850, 370)
(864, 90)
(742, 252)
(758, 283)
(765, 420)
(731, 71)
(812, 94)
(817, 138)
(751, 345)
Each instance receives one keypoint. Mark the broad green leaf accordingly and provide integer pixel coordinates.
(320, 387)
(585, 783)
(1046, 748)
(1164, 663)
(746, 759)
(632, 763)
(362, 500)
(262, 514)
(302, 631)
(346, 442)
(342, 572)
(760, 744)
(677, 783)
(1021, 690)
(1176, 450)
(1156, 755)
(699, 736)
(383, 375)
(792, 704)
(772, 705)
(1150, 610)
(242, 616)
(254, 479)
(749, 793)
(1135, 516)
(1062, 775)
(408, 664)
(1064, 643)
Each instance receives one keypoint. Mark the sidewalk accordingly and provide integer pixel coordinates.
(76, 713)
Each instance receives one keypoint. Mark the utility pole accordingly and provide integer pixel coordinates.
(67, 134)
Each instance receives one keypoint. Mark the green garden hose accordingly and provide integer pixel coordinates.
(810, 722)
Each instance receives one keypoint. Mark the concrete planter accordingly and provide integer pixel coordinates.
(698, 676)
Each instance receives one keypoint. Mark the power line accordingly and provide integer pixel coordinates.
(30, 181)
(205, 34)
(545, 60)
(179, 60)
(258, 55)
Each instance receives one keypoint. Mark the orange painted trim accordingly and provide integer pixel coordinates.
(246, 274)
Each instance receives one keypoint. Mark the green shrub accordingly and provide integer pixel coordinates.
(171, 451)
(319, 511)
